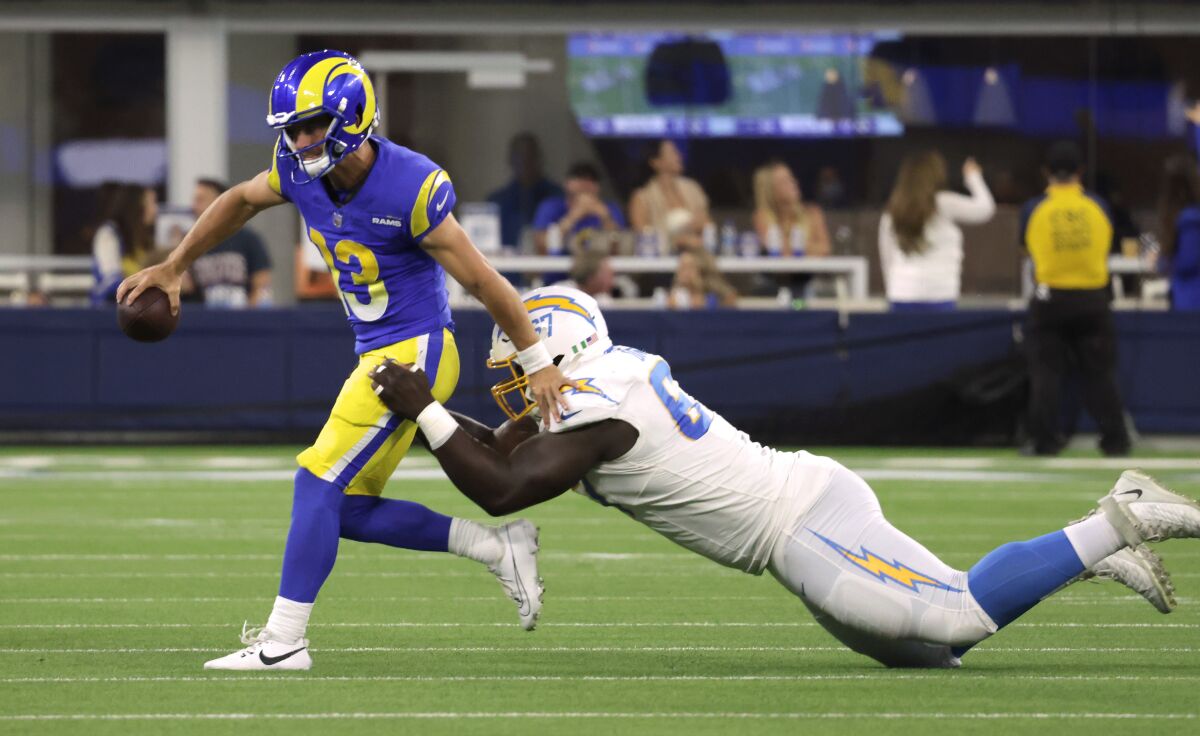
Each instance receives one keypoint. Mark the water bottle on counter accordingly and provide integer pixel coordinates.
(647, 243)
(729, 237)
(554, 240)
(709, 237)
(774, 241)
(799, 239)
(748, 245)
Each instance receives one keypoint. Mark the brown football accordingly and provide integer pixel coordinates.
(148, 318)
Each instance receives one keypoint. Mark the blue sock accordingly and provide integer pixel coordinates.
(394, 522)
(312, 540)
(1012, 578)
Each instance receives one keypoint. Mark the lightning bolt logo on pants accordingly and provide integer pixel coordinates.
(894, 571)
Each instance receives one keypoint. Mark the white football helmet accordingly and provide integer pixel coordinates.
(573, 330)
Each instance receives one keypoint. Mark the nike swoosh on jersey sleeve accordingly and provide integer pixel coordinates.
(435, 199)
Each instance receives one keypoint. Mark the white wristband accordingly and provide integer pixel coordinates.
(534, 358)
(436, 424)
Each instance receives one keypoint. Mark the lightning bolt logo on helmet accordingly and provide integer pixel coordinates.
(569, 323)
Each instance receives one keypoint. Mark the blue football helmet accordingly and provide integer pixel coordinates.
(329, 83)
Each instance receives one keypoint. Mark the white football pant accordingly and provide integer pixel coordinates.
(874, 588)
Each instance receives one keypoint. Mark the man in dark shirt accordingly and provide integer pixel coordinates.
(237, 273)
(519, 199)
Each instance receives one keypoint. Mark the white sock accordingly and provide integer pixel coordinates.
(475, 541)
(288, 620)
(1094, 539)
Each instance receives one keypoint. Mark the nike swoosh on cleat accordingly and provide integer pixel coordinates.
(1138, 491)
(262, 657)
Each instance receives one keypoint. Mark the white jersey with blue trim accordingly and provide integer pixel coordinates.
(691, 476)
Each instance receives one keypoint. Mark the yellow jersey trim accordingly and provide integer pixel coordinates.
(419, 220)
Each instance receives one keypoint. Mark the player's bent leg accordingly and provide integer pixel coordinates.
(363, 444)
(879, 591)
(312, 540)
(888, 652)
(308, 558)
(359, 438)
(437, 354)
(1013, 578)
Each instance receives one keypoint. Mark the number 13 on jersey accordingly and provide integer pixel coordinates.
(690, 416)
(353, 266)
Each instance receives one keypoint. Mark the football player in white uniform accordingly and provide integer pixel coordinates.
(635, 440)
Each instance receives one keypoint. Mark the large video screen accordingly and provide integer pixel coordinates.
(726, 85)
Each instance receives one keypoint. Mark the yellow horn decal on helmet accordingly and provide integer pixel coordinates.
(368, 113)
(312, 85)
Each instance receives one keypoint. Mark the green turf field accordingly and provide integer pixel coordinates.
(122, 570)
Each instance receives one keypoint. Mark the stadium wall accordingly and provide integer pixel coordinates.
(786, 377)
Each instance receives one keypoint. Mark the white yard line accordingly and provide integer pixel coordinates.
(876, 677)
(158, 475)
(559, 624)
(582, 556)
(1126, 600)
(588, 649)
(1058, 463)
(599, 715)
(705, 571)
(783, 597)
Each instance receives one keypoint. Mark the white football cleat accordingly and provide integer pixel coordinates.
(264, 653)
(1141, 510)
(517, 569)
(1140, 570)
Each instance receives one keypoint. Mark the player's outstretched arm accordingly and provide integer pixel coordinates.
(540, 468)
(451, 247)
(502, 439)
(223, 218)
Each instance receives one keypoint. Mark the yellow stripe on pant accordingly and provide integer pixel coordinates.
(362, 442)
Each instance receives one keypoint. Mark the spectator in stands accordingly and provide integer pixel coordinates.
(107, 196)
(1068, 234)
(592, 273)
(669, 204)
(579, 214)
(237, 272)
(699, 285)
(784, 222)
(831, 192)
(519, 198)
(123, 239)
(1179, 227)
(312, 280)
(920, 243)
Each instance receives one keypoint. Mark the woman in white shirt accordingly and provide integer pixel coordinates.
(920, 243)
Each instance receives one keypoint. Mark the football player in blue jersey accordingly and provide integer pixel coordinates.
(380, 214)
